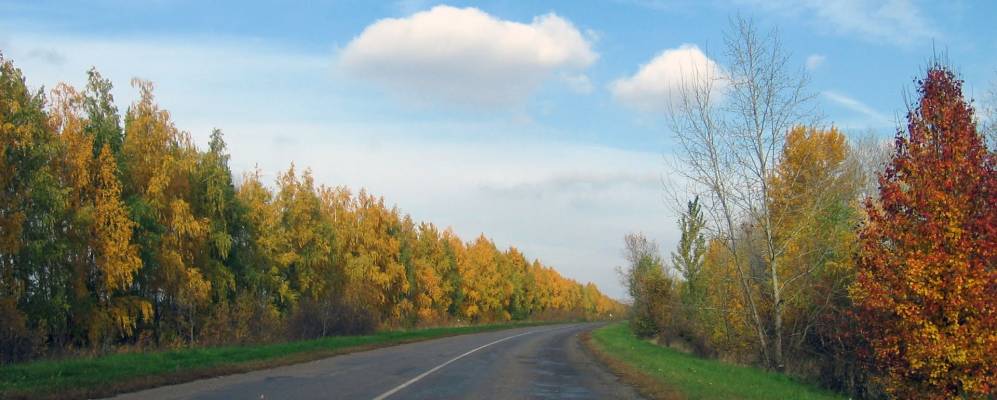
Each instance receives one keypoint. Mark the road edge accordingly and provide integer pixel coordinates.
(647, 385)
(179, 377)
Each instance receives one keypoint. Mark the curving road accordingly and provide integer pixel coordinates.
(545, 362)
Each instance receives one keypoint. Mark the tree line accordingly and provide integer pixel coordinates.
(871, 269)
(127, 235)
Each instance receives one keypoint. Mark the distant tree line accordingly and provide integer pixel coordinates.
(128, 235)
(870, 269)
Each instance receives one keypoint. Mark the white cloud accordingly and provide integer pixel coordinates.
(464, 55)
(898, 22)
(814, 61)
(874, 117)
(657, 85)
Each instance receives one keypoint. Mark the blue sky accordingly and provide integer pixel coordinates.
(537, 123)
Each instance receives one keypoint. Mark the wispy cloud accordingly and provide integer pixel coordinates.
(197, 78)
(897, 22)
(664, 5)
(875, 117)
(815, 61)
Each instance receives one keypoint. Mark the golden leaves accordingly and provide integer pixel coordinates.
(926, 278)
(117, 257)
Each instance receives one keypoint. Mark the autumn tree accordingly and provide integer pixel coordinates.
(814, 210)
(927, 277)
(376, 277)
(115, 254)
(103, 120)
(159, 160)
(33, 283)
(100, 251)
(647, 285)
(305, 237)
(307, 250)
(432, 294)
(263, 273)
(264, 295)
(214, 197)
(723, 321)
(519, 284)
(481, 282)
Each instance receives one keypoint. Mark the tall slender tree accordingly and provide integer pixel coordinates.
(730, 149)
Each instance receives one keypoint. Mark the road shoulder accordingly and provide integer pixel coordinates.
(647, 385)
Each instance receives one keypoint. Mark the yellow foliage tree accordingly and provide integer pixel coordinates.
(814, 210)
(104, 258)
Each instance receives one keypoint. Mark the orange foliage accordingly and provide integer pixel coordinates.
(927, 277)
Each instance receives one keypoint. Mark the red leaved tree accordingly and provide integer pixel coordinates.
(926, 288)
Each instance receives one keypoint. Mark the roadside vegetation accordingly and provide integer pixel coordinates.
(869, 269)
(683, 376)
(118, 233)
(89, 377)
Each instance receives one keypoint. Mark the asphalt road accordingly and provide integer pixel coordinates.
(546, 362)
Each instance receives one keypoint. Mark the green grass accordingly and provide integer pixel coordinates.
(105, 375)
(697, 378)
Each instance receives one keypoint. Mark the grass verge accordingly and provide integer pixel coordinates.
(108, 375)
(663, 373)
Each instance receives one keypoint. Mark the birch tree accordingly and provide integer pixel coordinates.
(730, 125)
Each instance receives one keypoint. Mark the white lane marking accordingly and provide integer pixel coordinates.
(436, 368)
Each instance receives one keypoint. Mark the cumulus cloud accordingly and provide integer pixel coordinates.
(465, 55)
(814, 61)
(656, 86)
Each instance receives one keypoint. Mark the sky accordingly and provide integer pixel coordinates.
(539, 124)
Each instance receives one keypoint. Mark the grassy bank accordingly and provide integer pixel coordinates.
(666, 373)
(107, 375)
